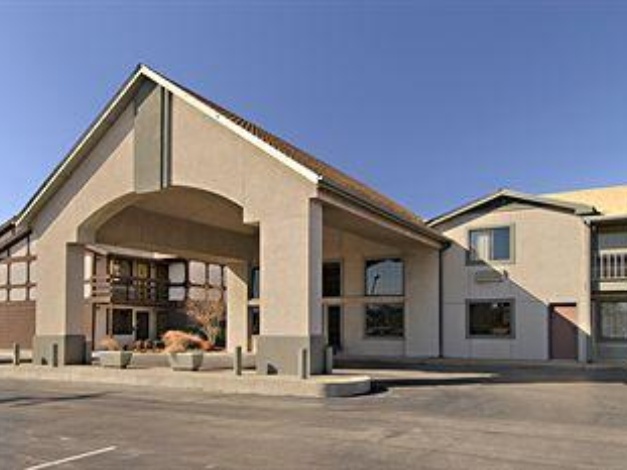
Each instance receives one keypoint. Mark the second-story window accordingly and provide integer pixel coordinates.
(254, 286)
(490, 244)
(332, 279)
(384, 277)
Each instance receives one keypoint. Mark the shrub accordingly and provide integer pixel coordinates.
(108, 343)
(179, 341)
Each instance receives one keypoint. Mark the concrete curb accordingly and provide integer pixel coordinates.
(220, 382)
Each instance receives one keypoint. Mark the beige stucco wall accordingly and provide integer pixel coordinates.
(205, 155)
(420, 299)
(551, 265)
(274, 197)
(105, 174)
(97, 203)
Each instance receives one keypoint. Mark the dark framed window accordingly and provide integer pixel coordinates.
(491, 319)
(122, 322)
(122, 268)
(490, 244)
(254, 321)
(254, 287)
(385, 277)
(332, 279)
(385, 321)
(612, 322)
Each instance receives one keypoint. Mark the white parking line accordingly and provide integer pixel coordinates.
(72, 459)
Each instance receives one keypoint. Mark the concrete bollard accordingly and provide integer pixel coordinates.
(237, 361)
(55, 355)
(303, 363)
(16, 354)
(328, 359)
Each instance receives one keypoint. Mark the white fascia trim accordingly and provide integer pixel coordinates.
(70, 158)
(233, 127)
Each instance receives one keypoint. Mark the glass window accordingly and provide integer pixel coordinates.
(491, 319)
(122, 322)
(197, 272)
(384, 277)
(177, 273)
(331, 280)
(121, 268)
(4, 274)
(215, 275)
(493, 244)
(19, 274)
(385, 320)
(254, 321)
(254, 287)
(613, 320)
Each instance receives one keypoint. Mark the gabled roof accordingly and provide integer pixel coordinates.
(306, 164)
(575, 208)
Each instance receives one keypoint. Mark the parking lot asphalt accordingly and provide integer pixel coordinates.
(422, 417)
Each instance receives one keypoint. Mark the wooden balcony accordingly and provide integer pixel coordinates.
(128, 291)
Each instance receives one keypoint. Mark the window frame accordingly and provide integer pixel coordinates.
(599, 326)
(403, 274)
(368, 337)
(512, 303)
(491, 228)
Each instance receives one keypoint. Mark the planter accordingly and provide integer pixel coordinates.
(115, 359)
(187, 361)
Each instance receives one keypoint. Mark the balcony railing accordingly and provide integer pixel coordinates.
(610, 265)
(130, 290)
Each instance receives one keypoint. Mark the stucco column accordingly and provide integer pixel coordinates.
(291, 291)
(422, 303)
(60, 305)
(236, 305)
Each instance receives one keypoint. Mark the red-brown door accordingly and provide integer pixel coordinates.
(563, 331)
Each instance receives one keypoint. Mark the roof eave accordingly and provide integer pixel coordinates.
(422, 230)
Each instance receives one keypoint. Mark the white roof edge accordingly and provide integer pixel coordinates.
(145, 71)
(576, 208)
(69, 159)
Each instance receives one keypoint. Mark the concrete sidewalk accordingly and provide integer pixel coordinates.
(224, 382)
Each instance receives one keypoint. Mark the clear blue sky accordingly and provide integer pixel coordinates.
(431, 102)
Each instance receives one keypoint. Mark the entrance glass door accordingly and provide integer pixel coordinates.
(142, 325)
(334, 327)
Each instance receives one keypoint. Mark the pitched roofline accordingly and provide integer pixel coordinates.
(575, 208)
(217, 114)
(110, 108)
(49, 183)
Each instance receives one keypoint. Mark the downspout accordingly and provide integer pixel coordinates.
(593, 247)
(441, 299)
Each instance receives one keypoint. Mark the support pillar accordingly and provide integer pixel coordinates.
(60, 305)
(422, 303)
(237, 306)
(291, 292)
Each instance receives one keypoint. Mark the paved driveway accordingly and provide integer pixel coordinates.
(432, 417)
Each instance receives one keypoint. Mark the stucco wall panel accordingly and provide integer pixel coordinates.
(551, 265)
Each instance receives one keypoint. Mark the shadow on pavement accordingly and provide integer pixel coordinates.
(23, 401)
(387, 375)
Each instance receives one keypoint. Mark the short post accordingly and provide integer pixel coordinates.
(16, 354)
(237, 361)
(328, 359)
(55, 355)
(303, 363)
